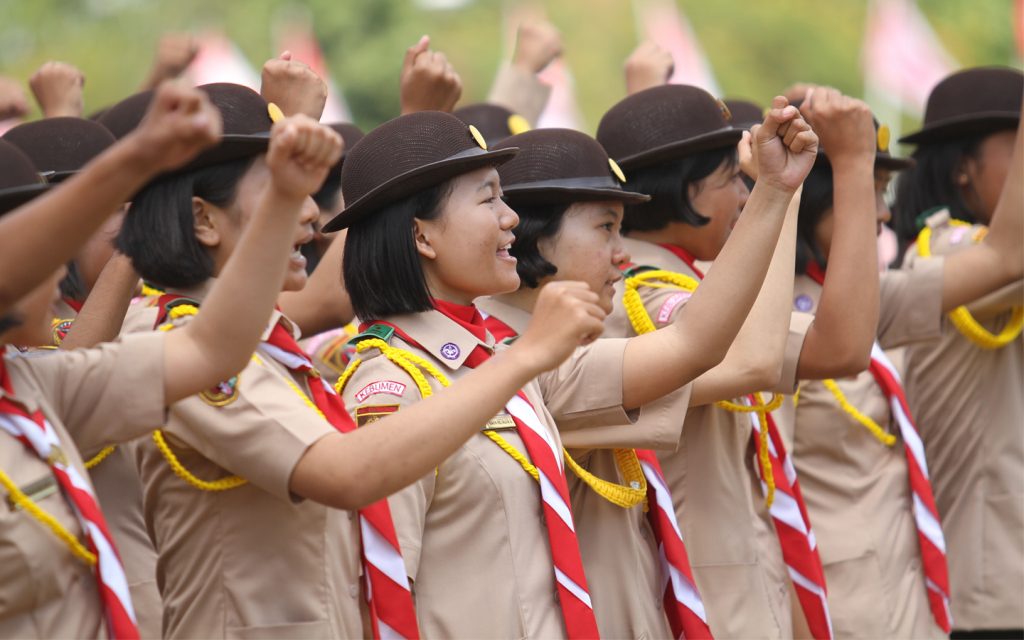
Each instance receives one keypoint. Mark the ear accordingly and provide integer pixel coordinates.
(421, 230)
(205, 229)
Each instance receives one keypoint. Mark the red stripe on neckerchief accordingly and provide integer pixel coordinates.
(685, 256)
(926, 514)
(546, 456)
(74, 304)
(499, 329)
(392, 611)
(39, 436)
(468, 317)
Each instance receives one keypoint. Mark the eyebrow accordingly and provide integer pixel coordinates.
(489, 183)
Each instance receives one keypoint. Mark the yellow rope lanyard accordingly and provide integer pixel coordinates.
(877, 431)
(18, 498)
(962, 318)
(642, 323)
(624, 496)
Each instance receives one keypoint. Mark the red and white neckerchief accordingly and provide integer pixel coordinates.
(36, 433)
(392, 612)
(546, 456)
(926, 514)
(788, 512)
(683, 605)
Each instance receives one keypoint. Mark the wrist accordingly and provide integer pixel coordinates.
(522, 360)
(772, 189)
(853, 160)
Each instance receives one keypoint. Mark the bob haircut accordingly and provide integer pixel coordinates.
(931, 183)
(536, 222)
(381, 266)
(814, 202)
(668, 184)
(158, 233)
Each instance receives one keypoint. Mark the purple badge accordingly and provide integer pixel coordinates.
(803, 302)
(450, 351)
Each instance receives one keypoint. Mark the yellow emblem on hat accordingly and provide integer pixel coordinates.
(617, 170)
(883, 138)
(275, 113)
(725, 110)
(518, 124)
(478, 137)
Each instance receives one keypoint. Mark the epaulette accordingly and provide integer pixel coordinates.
(376, 331)
(630, 270)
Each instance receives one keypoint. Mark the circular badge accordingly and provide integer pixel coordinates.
(450, 351)
(518, 124)
(275, 113)
(478, 137)
(803, 302)
(617, 170)
(883, 138)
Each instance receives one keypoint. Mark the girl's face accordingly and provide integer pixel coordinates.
(982, 176)
(221, 229)
(720, 197)
(823, 230)
(35, 312)
(464, 251)
(588, 247)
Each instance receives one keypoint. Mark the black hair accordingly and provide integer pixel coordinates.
(381, 267)
(158, 233)
(536, 222)
(931, 183)
(71, 285)
(9, 321)
(668, 184)
(327, 196)
(815, 200)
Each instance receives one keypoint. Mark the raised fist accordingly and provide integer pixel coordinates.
(844, 125)
(179, 123)
(567, 314)
(293, 86)
(13, 103)
(57, 87)
(785, 146)
(174, 53)
(428, 81)
(301, 153)
(648, 66)
(537, 44)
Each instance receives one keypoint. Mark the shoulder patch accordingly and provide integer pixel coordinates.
(223, 394)
(389, 387)
(670, 304)
(373, 413)
(378, 331)
(61, 326)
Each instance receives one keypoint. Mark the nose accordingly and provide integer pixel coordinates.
(310, 212)
(508, 219)
(620, 255)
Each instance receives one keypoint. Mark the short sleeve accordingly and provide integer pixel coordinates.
(910, 309)
(799, 324)
(521, 92)
(107, 394)
(586, 389)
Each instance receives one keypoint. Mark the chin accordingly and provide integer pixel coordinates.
(506, 284)
(295, 281)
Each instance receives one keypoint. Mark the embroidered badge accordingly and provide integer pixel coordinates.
(61, 326)
(803, 302)
(500, 421)
(673, 301)
(223, 394)
(389, 387)
(373, 413)
(958, 235)
(450, 351)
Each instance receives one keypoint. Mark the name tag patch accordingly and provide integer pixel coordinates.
(389, 387)
(500, 421)
(673, 301)
(373, 413)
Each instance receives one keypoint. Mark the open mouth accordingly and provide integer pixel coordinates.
(504, 250)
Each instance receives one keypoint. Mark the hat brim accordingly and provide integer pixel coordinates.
(719, 138)
(414, 180)
(230, 148)
(16, 196)
(967, 124)
(557, 195)
(886, 161)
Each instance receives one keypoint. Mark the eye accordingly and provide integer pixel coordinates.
(608, 226)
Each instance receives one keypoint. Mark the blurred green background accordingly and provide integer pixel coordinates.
(755, 48)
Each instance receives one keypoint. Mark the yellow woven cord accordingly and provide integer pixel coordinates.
(878, 432)
(796, 396)
(99, 457)
(962, 318)
(150, 292)
(415, 365)
(19, 498)
(743, 408)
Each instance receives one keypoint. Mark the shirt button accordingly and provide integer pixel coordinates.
(353, 590)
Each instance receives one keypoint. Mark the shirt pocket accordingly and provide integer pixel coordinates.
(857, 599)
(310, 630)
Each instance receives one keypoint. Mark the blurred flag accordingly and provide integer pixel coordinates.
(297, 36)
(1018, 26)
(663, 23)
(562, 109)
(220, 60)
(902, 57)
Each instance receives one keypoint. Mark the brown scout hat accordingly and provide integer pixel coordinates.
(745, 114)
(60, 147)
(972, 101)
(350, 135)
(246, 115)
(664, 123)
(494, 121)
(561, 166)
(19, 180)
(406, 155)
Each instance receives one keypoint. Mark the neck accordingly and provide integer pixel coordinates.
(675, 233)
(524, 298)
(440, 292)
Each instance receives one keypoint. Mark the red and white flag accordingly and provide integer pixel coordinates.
(663, 23)
(220, 60)
(297, 36)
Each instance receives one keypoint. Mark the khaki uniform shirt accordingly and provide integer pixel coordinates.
(110, 393)
(856, 489)
(729, 535)
(619, 550)
(254, 561)
(969, 406)
(473, 534)
(327, 351)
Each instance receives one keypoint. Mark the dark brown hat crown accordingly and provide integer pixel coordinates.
(406, 155)
(494, 121)
(122, 118)
(666, 122)
(745, 114)
(883, 157)
(350, 135)
(970, 102)
(19, 180)
(561, 165)
(59, 147)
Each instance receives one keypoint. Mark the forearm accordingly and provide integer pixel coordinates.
(368, 464)
(220, 340)
(323, 304)
(103, 313)
(1006, 230)
(843, 338)
(63, 219)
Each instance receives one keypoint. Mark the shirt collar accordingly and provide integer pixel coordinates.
(441, 336)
